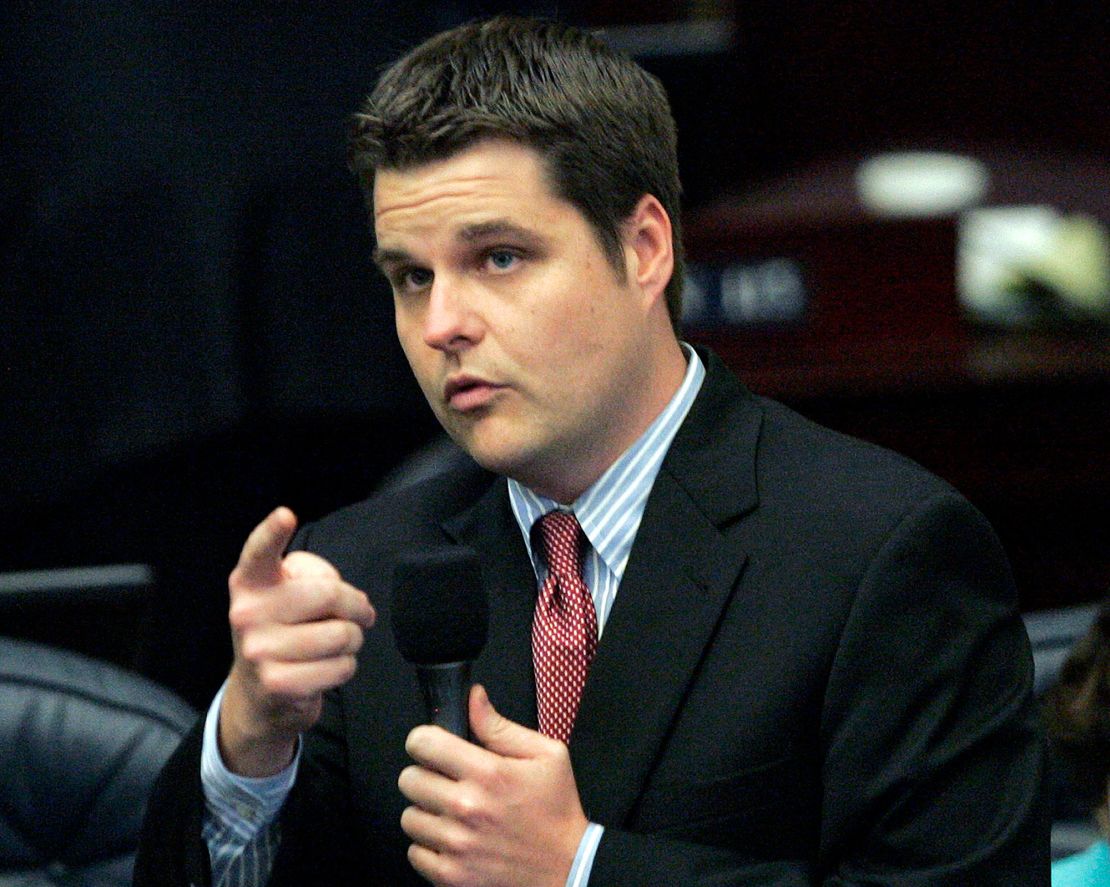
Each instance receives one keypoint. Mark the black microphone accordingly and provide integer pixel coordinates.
(440, 618)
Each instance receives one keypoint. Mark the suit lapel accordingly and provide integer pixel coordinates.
(505, 666)
(680, 577)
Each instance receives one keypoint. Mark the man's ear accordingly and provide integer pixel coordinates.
(648, 247)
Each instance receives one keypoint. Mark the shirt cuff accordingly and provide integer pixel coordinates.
(584, 859)
(243, 804)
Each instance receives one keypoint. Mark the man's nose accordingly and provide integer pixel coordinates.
(450, 322)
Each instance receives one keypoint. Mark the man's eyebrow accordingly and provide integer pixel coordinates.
(468, 234)
(382, 257)
(497, 228)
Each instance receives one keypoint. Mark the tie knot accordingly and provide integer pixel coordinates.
(562, 538)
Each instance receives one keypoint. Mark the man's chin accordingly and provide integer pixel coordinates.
(496, 453)
(495, 460)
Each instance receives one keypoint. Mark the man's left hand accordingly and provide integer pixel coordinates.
(501, 812)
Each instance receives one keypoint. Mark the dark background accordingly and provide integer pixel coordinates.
(191, 331)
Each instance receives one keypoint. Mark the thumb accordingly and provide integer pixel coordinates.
(497, 733)
(306, 565)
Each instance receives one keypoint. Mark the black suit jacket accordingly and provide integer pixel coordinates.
(814, 672)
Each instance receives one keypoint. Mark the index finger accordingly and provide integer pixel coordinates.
(260, 559)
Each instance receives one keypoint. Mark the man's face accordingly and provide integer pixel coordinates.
(525, 342)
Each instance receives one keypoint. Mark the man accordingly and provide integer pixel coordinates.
(804, 660)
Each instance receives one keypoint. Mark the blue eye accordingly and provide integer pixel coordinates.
(415, 278)
(502, 259)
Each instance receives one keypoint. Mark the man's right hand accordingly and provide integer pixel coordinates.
(295, 627)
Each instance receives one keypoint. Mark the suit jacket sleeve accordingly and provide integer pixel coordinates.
(172, 852)
(931, 755)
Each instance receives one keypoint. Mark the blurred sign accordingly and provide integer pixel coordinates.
(767, 292)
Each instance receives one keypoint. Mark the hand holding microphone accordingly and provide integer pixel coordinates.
(503, 809)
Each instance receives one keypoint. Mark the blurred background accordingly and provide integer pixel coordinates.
(895, 216)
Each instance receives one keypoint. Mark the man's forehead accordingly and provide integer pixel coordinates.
(466, 209)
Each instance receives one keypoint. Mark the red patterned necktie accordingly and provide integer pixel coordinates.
(564, 628)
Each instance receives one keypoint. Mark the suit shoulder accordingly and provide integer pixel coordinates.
(401, 512)
(738, 449)
(811, 456)
(818, 485)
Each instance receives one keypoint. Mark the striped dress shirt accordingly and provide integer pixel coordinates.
(241, 826)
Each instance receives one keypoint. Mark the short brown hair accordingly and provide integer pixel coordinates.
(601, 123)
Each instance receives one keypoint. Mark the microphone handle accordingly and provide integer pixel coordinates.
(445, 688)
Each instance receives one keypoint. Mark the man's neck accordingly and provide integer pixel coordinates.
(655, 393)
(566, 491)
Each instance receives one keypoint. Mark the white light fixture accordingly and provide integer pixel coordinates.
(921, 183)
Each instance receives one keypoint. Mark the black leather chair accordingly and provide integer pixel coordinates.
(81, 742)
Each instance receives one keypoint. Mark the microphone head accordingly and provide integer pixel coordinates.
(440, 613)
